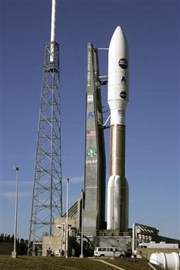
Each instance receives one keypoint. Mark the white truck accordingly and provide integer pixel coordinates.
(108, 252)
(158, 245)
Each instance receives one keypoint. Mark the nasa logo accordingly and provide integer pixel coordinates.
(123, 95)
(123, 63)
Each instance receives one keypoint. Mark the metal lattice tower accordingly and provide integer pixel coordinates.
(47, 188)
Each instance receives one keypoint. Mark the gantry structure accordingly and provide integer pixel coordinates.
(47, 186)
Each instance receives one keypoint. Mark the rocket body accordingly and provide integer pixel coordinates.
(118, 97)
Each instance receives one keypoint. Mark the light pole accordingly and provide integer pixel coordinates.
(14, 252)
(82, 223)
(67, 206)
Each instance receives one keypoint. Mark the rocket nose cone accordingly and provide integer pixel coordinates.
(118, 40)
(118, 30)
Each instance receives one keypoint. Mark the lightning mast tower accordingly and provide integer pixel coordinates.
(47, 188)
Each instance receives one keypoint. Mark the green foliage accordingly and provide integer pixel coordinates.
(22, 245)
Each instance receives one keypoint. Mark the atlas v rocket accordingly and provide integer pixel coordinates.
(118, 97)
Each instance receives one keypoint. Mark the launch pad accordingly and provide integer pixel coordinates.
(87, 227)
(84, 225)
(87, 219)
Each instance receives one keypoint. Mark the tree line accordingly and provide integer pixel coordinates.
(22, 244)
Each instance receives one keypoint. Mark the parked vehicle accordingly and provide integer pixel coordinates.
(158, 245)
(108, 252)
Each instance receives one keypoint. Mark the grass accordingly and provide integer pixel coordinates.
(56, 263)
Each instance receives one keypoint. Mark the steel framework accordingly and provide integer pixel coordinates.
(47, 188)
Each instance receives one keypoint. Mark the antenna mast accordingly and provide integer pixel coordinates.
(47, 188)
(53, 21)
(53, 30)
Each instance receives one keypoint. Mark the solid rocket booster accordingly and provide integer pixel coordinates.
(118, 97)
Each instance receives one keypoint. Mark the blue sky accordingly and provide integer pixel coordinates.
(152, 116)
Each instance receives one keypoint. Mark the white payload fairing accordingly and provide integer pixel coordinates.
(118, 97)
